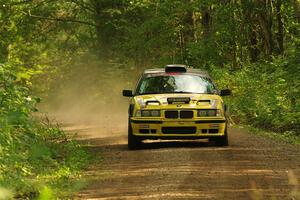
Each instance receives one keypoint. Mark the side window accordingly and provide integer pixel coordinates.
(209, 86)
(150, 85)
(143, 85)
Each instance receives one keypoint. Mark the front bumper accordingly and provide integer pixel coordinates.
(177, 129)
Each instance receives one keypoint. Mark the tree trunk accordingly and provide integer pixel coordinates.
(280, 27)
(101, 41)
(206, 22)
(181, 45)
(189, 21)
(195, 27)
(254, 52)
(105, 32)
(250, 22)
(265, 22)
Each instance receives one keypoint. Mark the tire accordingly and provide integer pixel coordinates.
(221, 141)
(133, 141)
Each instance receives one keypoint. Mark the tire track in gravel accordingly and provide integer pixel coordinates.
(251, 167)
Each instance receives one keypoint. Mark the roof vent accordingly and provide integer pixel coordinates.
(175, 68)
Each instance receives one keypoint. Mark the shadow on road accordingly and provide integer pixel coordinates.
(175, 144)
(153, 144)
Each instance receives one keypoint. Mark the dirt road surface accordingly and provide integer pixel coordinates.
(251, 167)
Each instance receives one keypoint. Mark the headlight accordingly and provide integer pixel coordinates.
(209, 113)
(147, 113)
(138, 113)
(202, 113)
(155, 113)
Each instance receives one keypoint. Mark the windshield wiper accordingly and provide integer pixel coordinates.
(148, 93)
(170, 92)
(183, 92)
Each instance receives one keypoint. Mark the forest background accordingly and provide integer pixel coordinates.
(77, 55)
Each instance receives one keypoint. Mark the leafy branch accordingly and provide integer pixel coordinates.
(60, 19)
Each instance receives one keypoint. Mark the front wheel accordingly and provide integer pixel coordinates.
(133, 141)
(221, 141)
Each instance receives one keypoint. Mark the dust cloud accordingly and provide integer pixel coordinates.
(90, 94)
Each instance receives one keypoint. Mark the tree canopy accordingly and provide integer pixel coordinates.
(257, 38)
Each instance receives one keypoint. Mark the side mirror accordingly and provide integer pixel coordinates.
(225, 92)
(127, 93)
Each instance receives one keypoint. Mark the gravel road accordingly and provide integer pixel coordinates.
(251, 167)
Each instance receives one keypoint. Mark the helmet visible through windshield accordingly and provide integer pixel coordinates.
(175, 83)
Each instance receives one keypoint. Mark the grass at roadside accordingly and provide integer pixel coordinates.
(40, 162)
(288, 137)
(37, 159)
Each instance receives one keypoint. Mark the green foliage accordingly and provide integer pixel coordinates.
(32, 153)
(46, 194)
(265, 95)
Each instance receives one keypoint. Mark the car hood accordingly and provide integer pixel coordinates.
(153, 101)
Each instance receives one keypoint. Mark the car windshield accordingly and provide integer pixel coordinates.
(175, 83)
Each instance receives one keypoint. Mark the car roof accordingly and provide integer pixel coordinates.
(189, 70)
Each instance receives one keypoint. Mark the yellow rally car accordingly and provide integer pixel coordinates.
(176, 102)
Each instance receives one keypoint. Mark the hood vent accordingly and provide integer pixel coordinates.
(175, 68)
(204, 101)
(179, 100)
(152, 103)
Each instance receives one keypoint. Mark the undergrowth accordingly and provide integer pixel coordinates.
(37, 159)
(265, 95)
